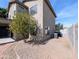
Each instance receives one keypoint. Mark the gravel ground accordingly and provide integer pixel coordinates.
(54, 49)
(3, 48)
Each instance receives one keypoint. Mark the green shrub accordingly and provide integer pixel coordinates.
(22, 24)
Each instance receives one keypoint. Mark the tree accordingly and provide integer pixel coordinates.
(3, 13)
(58, 27)
(61, 26)
(22, 24)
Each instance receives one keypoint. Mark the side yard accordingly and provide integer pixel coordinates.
(54, 49)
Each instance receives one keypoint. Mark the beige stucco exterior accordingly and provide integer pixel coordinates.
(48, 19)
(11, 11)
(39, 15)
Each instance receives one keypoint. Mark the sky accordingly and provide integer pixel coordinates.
(66, 10)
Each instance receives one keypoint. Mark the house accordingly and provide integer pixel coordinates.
(41, 10)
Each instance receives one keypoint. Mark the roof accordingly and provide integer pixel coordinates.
(51, 8)
(19, 3)
(4, 21)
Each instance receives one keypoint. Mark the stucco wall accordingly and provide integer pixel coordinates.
(44, 15)
(48, 18)
(39, 15)
(11, 11)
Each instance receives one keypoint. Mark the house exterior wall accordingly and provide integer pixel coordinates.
(48, 19)
(39, 15)
(44, 16)
(11, 11)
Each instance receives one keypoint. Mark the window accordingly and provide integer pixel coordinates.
(33, 10)
(21, 0)
(20, 9)
(47, 30)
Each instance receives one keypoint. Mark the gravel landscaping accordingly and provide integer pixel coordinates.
(53, 49)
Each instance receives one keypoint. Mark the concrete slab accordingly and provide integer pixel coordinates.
(6, 40)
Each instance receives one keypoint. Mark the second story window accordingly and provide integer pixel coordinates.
(33, 10)
(21, 0)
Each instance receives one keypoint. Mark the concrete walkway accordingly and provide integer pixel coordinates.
(5, 43)
(6, 40)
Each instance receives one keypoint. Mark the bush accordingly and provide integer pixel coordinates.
(21, 25)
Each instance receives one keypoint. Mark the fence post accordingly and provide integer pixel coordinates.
(73, 34)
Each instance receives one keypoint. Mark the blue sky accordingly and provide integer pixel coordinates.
(66, 10)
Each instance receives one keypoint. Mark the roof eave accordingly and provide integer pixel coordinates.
(51, 8)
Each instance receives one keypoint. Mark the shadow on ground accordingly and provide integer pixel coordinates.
(32, 41)
(38, 42)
